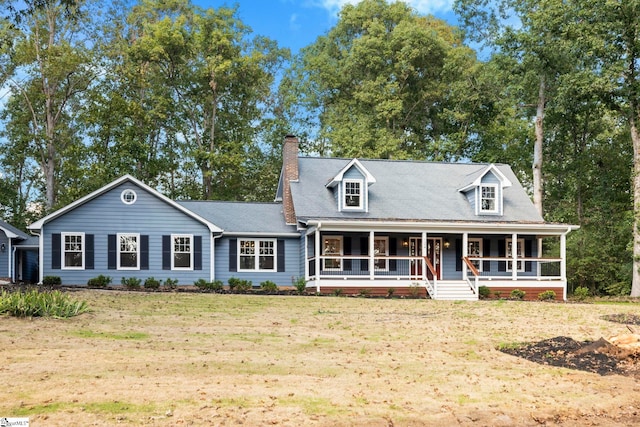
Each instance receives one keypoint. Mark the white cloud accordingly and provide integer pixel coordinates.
(293, 22)
(421, 6)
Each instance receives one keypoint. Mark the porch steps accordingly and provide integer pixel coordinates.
(451, 290)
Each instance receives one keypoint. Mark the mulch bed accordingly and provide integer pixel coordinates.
(599, 356)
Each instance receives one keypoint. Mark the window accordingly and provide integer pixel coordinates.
(73, 250)
(128, 197)
(353, 194)
(381, 249)
(257, 254)
(474, 249)
(520, 254)
(182, 252)
(128, 251)
(488, 198)
(332, 245)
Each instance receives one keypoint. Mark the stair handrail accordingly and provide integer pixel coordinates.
(432, 291)
(475, 272)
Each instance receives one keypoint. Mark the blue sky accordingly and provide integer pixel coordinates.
(297, 23)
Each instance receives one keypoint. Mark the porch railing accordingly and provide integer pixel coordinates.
(359, 267)
(501, 268)
(474, 272)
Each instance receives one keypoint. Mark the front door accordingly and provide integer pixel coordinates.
(434, 253)
(415, 249)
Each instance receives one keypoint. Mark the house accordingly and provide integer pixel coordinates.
(345, 225)
(18, 255)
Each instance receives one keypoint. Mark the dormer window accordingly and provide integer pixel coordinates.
(488, 198)
(352, 194)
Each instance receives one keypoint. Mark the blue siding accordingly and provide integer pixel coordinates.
(4, 256)
(107, 214)
(291, 257)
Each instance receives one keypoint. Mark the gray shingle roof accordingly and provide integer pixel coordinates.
(242, 217)
(21, 234)
(407, 191)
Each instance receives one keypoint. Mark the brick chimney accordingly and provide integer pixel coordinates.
(290, 173)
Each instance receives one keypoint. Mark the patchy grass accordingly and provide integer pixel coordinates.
(210, 359)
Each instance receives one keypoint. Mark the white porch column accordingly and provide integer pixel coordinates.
(423, 251)
(317, 256)
(563, 256)
(372, 262)
(514, 256)
(539, 255)
(465, 253)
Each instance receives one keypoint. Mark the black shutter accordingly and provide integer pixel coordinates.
(346, 247)
(166, 252)
(280, 263)
(233, 254)
(458, 254)
(56, 260)
(111, 251)
(528, 253)
(197, 252)
(486, 252)
(88, 252)
(364, 250)
(393, 251)
(502, 252)
(144, 252)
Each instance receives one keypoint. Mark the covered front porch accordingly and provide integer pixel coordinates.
(442, 261)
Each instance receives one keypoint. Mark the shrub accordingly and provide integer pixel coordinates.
(581, 293)
(301, 285)
(414, 290)
(364, 292)
(152, 283)
(337, 292)
(517, 294)
(484, 292)
(215, 286)
(101, 281)
(390, 292)
(35, 303)
(51, 280)
(171, 284)
(233, 283)
(131, 283)
(547, 295)
(269, 287)
(244, 286)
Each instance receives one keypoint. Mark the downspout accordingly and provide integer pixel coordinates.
(9, 263)
(212, 257)
(13, 250)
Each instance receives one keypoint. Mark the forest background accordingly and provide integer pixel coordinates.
(192, 102)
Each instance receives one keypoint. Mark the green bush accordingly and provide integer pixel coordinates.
(390, 292)
(131, 283)
(414, 290)
(171, 284)
(581, 293)
(548, 295)
(301, 285)
(366, 292)
(152, 283)
(51, 280)
(484, 292)
(517, 294)
(269, 287)
(215, 286)
(101, 281)
(338, 292)
(34, 303)
(239, 285)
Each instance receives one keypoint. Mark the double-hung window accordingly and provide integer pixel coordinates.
(182, 257)
(381, 249)
(73, 250)
(128, 251)
(489, 198)
(352, 194)
(474, 249)
(520, 254)
(257, 254)
(332, 245)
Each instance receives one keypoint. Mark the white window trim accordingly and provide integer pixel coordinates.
(344, 194)
(324, 266)
(124, 200)
(498, 201)
(173, 251)
(479, 263)
(256, 255)
(520, 249)
(63, 251)
(118, 252)
(386, 254)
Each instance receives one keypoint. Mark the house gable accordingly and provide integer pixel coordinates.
(485, 193)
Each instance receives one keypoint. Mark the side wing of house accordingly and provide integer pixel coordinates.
(126, 231)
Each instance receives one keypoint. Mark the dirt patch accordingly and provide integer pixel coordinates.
(601, 356)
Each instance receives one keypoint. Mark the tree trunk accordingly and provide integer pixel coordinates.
(635, 138)
(537, 149)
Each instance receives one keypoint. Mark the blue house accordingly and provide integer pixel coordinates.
(18, 255)
(344, 225)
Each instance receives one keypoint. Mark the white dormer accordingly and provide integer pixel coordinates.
(351, 187)
(485, 192)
